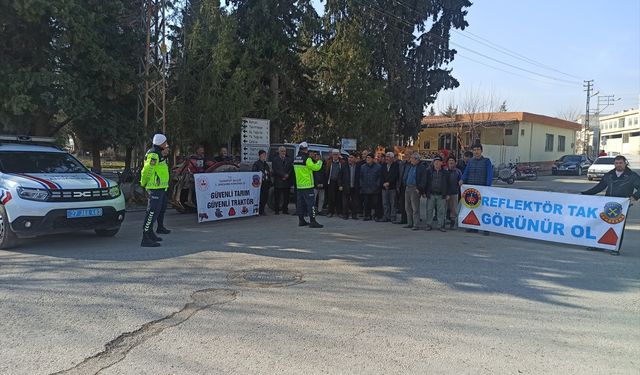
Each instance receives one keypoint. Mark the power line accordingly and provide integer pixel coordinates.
(496, 46)
(374, 8)
(513, 73)
(509, 52)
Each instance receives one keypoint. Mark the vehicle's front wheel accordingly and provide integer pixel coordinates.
(8, 239)
(107, 232)
(511, 180)
(590, 178)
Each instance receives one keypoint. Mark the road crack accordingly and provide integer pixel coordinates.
(117, 349)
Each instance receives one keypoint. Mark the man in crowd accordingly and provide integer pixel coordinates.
(453, 191)
(223, 155)
(303, 167)
(478, 171)
(390, 177)
(370, 184)
(155, 179)
(462, 163)
(413, 179)
(262, 166)
(620, 182)
(436, 192)
(332, 173)
(282, 172)
(319, 183)
(349, 186)
(402, 164)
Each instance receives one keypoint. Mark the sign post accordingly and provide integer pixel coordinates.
(254, 136)
(349, 144)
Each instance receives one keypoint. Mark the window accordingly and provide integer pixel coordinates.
(561, 142)
(427, 145)
(508, 131)
(635, 121)
(625, 138)
(522, 132)
(621, 123)
(548, 146)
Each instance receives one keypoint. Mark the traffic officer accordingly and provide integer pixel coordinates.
(155, 179)
(303, 167)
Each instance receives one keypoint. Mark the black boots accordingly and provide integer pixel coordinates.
(162, 230)
(315, 224)
(302, 222)
(148, 241)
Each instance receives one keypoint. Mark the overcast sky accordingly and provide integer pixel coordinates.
(573, 39)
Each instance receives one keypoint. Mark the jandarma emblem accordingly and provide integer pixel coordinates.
(612, 213)
(471, 198)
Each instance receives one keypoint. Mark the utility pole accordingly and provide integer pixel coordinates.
(154, 63)
(588, 86)
(604, 101)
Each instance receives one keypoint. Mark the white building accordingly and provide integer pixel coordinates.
(620, 134)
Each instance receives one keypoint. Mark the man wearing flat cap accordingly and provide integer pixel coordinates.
(155, 179)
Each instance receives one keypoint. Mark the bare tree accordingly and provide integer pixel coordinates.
(568, 113)
(479, 107)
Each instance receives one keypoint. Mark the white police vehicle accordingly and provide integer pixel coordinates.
(45, 190)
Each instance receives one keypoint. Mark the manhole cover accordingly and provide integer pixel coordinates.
(265, 278)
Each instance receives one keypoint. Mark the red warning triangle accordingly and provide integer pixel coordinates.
(609, 238)
(471, 219)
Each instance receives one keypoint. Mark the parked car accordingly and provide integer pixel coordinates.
(602, 165)
(45, 190)
(571, 164)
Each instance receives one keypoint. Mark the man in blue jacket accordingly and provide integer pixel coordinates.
(478, 171)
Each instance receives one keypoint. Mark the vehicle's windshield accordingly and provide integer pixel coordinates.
(39, 162)
(604, 161)
(572, 158)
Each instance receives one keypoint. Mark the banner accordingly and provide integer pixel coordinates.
(585, 220)
(223, 196)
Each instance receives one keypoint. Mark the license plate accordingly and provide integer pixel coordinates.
(84, 212)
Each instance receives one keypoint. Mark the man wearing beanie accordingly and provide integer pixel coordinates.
(155, 179)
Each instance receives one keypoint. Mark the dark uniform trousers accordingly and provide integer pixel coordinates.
(156, 207)
(305, 203)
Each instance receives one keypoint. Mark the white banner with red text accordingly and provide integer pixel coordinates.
(586, 220)
(230, 195)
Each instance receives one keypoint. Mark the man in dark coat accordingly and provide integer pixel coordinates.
(390, 178)
(349, 186)
(319, 183)
(282, 180)
(436, 191)
(620, 182)
(462, 163)
(332, 175)
(370, 184)
(262, 166)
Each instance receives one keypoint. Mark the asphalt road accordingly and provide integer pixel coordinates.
(360, 298)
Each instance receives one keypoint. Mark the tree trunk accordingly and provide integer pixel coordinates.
(95, 153)
(275, 105)
(127, 158)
